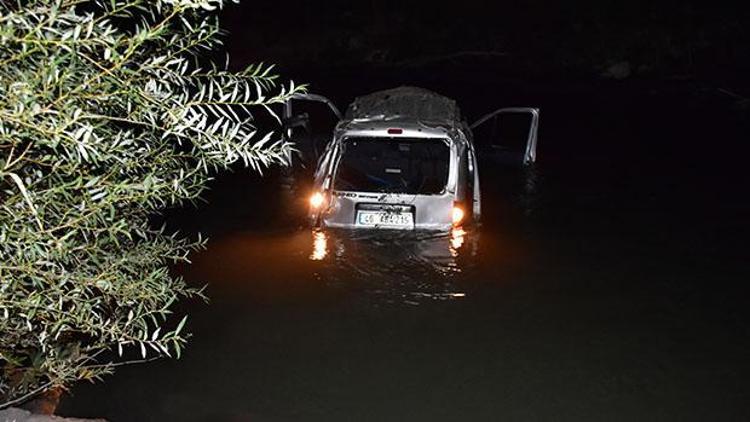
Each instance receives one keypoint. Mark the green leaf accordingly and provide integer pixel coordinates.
(180, 325)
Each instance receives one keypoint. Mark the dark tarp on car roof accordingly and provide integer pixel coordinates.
(405, 102)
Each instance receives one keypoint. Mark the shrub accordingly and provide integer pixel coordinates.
(107, 115)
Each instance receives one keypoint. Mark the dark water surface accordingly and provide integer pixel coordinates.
(607, 285)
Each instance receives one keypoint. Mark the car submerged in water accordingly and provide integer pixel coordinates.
(402, 159)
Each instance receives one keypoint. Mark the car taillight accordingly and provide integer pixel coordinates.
(457, 215)
(317, 200)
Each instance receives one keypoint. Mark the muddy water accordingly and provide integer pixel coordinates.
(607, 285)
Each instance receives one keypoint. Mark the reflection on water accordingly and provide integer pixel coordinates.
(370, 265)
(397, 266)
(457, 240)
(437, 246)
(320, 246)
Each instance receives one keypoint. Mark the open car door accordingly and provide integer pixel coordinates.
(508, 135)
(309, 141)
(308, 121)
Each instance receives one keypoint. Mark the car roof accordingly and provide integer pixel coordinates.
(406, 104)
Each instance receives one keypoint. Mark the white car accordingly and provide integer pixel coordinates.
(402, 159)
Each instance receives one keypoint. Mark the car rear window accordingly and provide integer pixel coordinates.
(393, 165)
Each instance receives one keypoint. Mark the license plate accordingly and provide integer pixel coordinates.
(388, 219)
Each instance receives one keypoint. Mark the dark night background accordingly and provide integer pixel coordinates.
(535, 38)
(609, 283)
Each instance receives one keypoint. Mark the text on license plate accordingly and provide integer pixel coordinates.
(385, 219)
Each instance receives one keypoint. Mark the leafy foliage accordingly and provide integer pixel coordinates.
(106, 117)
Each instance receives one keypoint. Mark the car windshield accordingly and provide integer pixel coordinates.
(394, 165)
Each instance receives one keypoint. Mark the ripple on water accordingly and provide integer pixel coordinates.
(395, 266)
